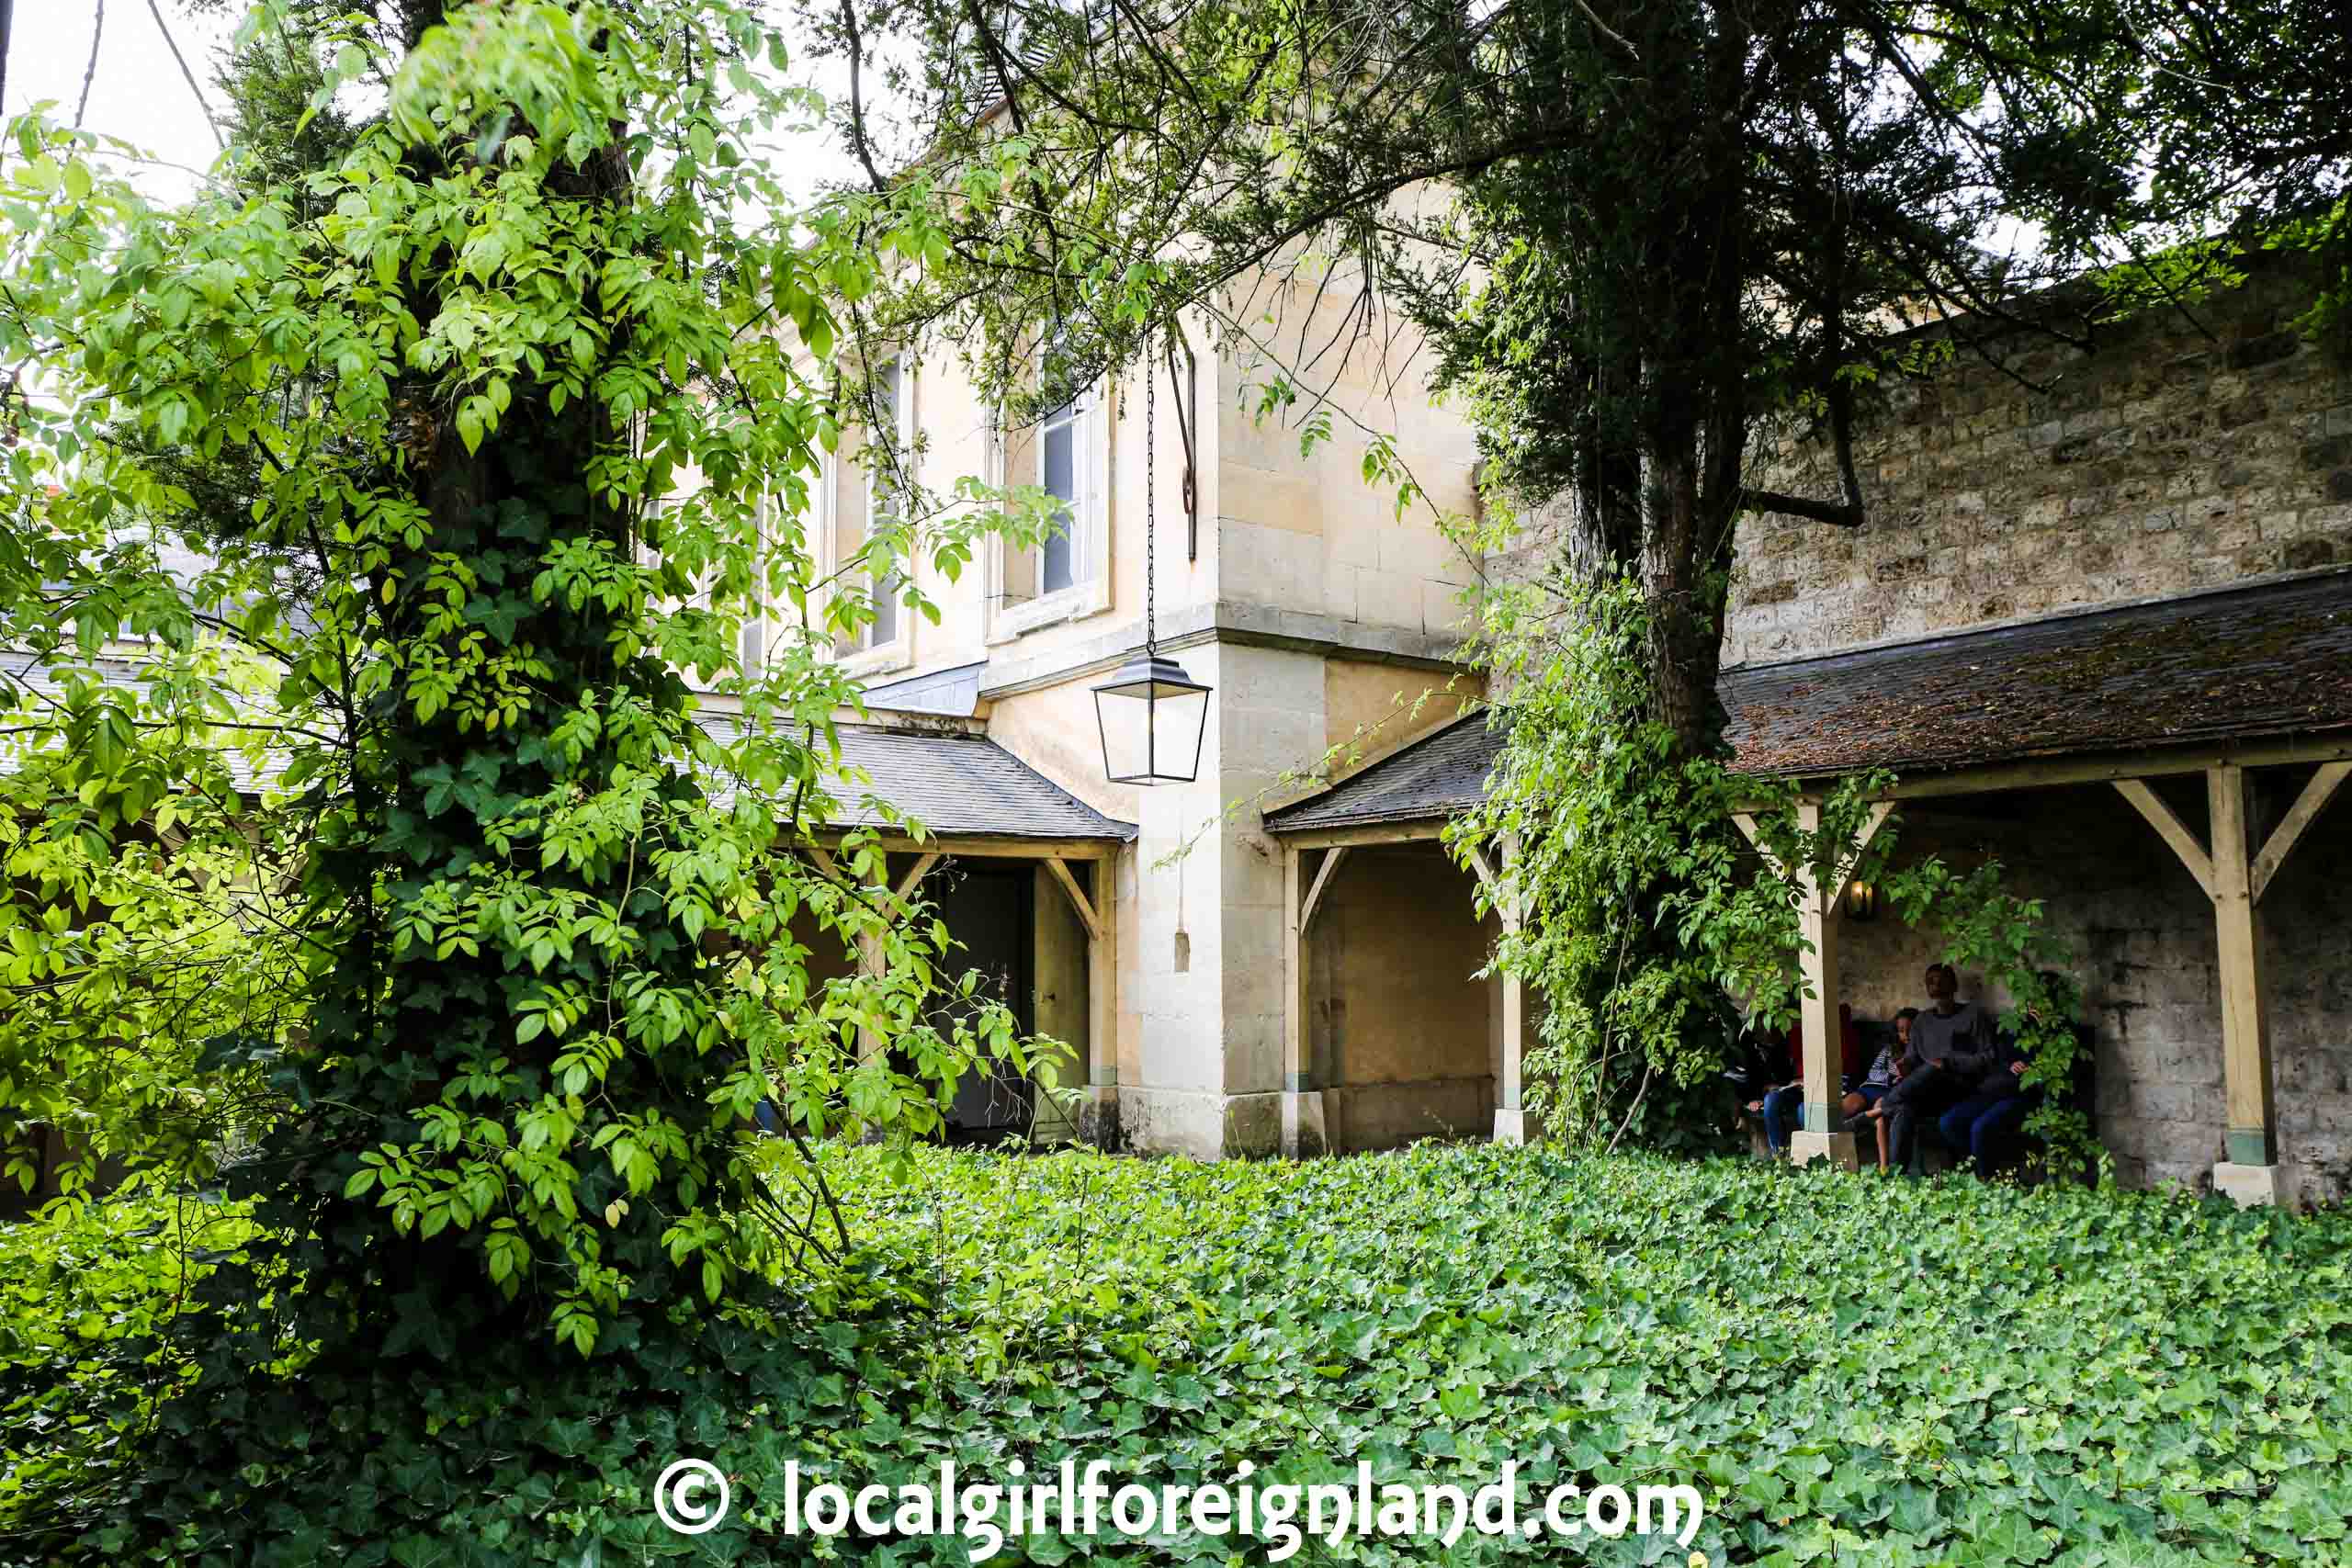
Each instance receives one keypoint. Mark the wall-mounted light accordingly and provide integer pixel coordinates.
(1862, 901)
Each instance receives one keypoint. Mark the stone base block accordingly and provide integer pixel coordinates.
(1806, 1148)
(2251, 1184)
(1098, 1117)
(1511, 1126)
(1308, 1130)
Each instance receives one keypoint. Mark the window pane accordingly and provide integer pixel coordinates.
(1057, 565)
(1061, 458)
(884, 582)
(884, 630)
(1057, 558)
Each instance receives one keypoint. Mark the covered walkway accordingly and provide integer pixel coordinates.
(2221, 722)
(1024, 872)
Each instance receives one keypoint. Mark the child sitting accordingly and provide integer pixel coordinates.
(1886, 1070)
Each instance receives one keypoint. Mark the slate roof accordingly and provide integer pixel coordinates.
(22, 672)
(2263, 658)
(2258, 659)
(952, 691)
(965, 786)
(1437, 775)
(956, 786)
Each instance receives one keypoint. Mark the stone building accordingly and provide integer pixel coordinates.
(2099, 624)
(1145, 926)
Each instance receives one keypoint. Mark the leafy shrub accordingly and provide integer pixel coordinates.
(84, 1299)
(1851, 1370)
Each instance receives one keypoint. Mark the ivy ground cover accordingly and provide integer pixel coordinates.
(1851, 1370)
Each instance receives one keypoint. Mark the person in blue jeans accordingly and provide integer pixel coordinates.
(1784, 1111)
(1983, 1127)
(1782, 1107)
(1982, 1098)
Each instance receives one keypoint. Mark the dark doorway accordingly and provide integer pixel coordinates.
(987, 905)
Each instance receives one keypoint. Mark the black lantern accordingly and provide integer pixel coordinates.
(1862, 901)
(1151, 715)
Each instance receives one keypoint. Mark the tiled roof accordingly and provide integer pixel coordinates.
(2260, 660)
(966, 786)
(956, 786)
(1437, 775)
(21, 673)
(2264, 659)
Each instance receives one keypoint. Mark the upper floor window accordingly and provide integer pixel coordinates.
(752, 631)
(862, 493)
(1067, 454)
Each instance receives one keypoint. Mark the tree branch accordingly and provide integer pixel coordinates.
(1840, 514)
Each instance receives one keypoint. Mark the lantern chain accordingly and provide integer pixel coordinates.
(1150, 514)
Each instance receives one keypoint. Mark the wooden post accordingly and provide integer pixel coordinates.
(870, 965)
(1098, 1122)
(1511, 1109)
(2234, 879)
(2251, 1138)
(1306, 1123)
(1824, 1135)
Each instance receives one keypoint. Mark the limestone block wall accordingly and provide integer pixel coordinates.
(1306, 532)
(2174, 456)
(1397, 1020)
(2142, 936)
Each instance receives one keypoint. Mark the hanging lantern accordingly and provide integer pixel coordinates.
(1152, 718)
(1151, 715)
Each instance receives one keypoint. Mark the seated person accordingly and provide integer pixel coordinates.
(1981, 1127)
(1978, 1098)
(1783, 1104)
(1945, 1026)
(1885, 1071)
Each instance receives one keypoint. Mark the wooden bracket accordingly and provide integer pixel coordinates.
(2299, 815)
(909, 883)
(1331, 858)
(1809, 816)
(2171, 828)
(1748, 826)
(1087, 916)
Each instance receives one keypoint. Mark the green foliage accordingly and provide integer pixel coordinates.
(87, 1300)
(1887, 1373)
(1641, 915)
(1991, 931)
(413, 857)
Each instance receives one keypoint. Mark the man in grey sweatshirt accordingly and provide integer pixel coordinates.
(1947, 1030)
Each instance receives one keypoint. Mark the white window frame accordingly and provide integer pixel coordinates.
(898, 653)
(758, 629)
(1090, 536)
